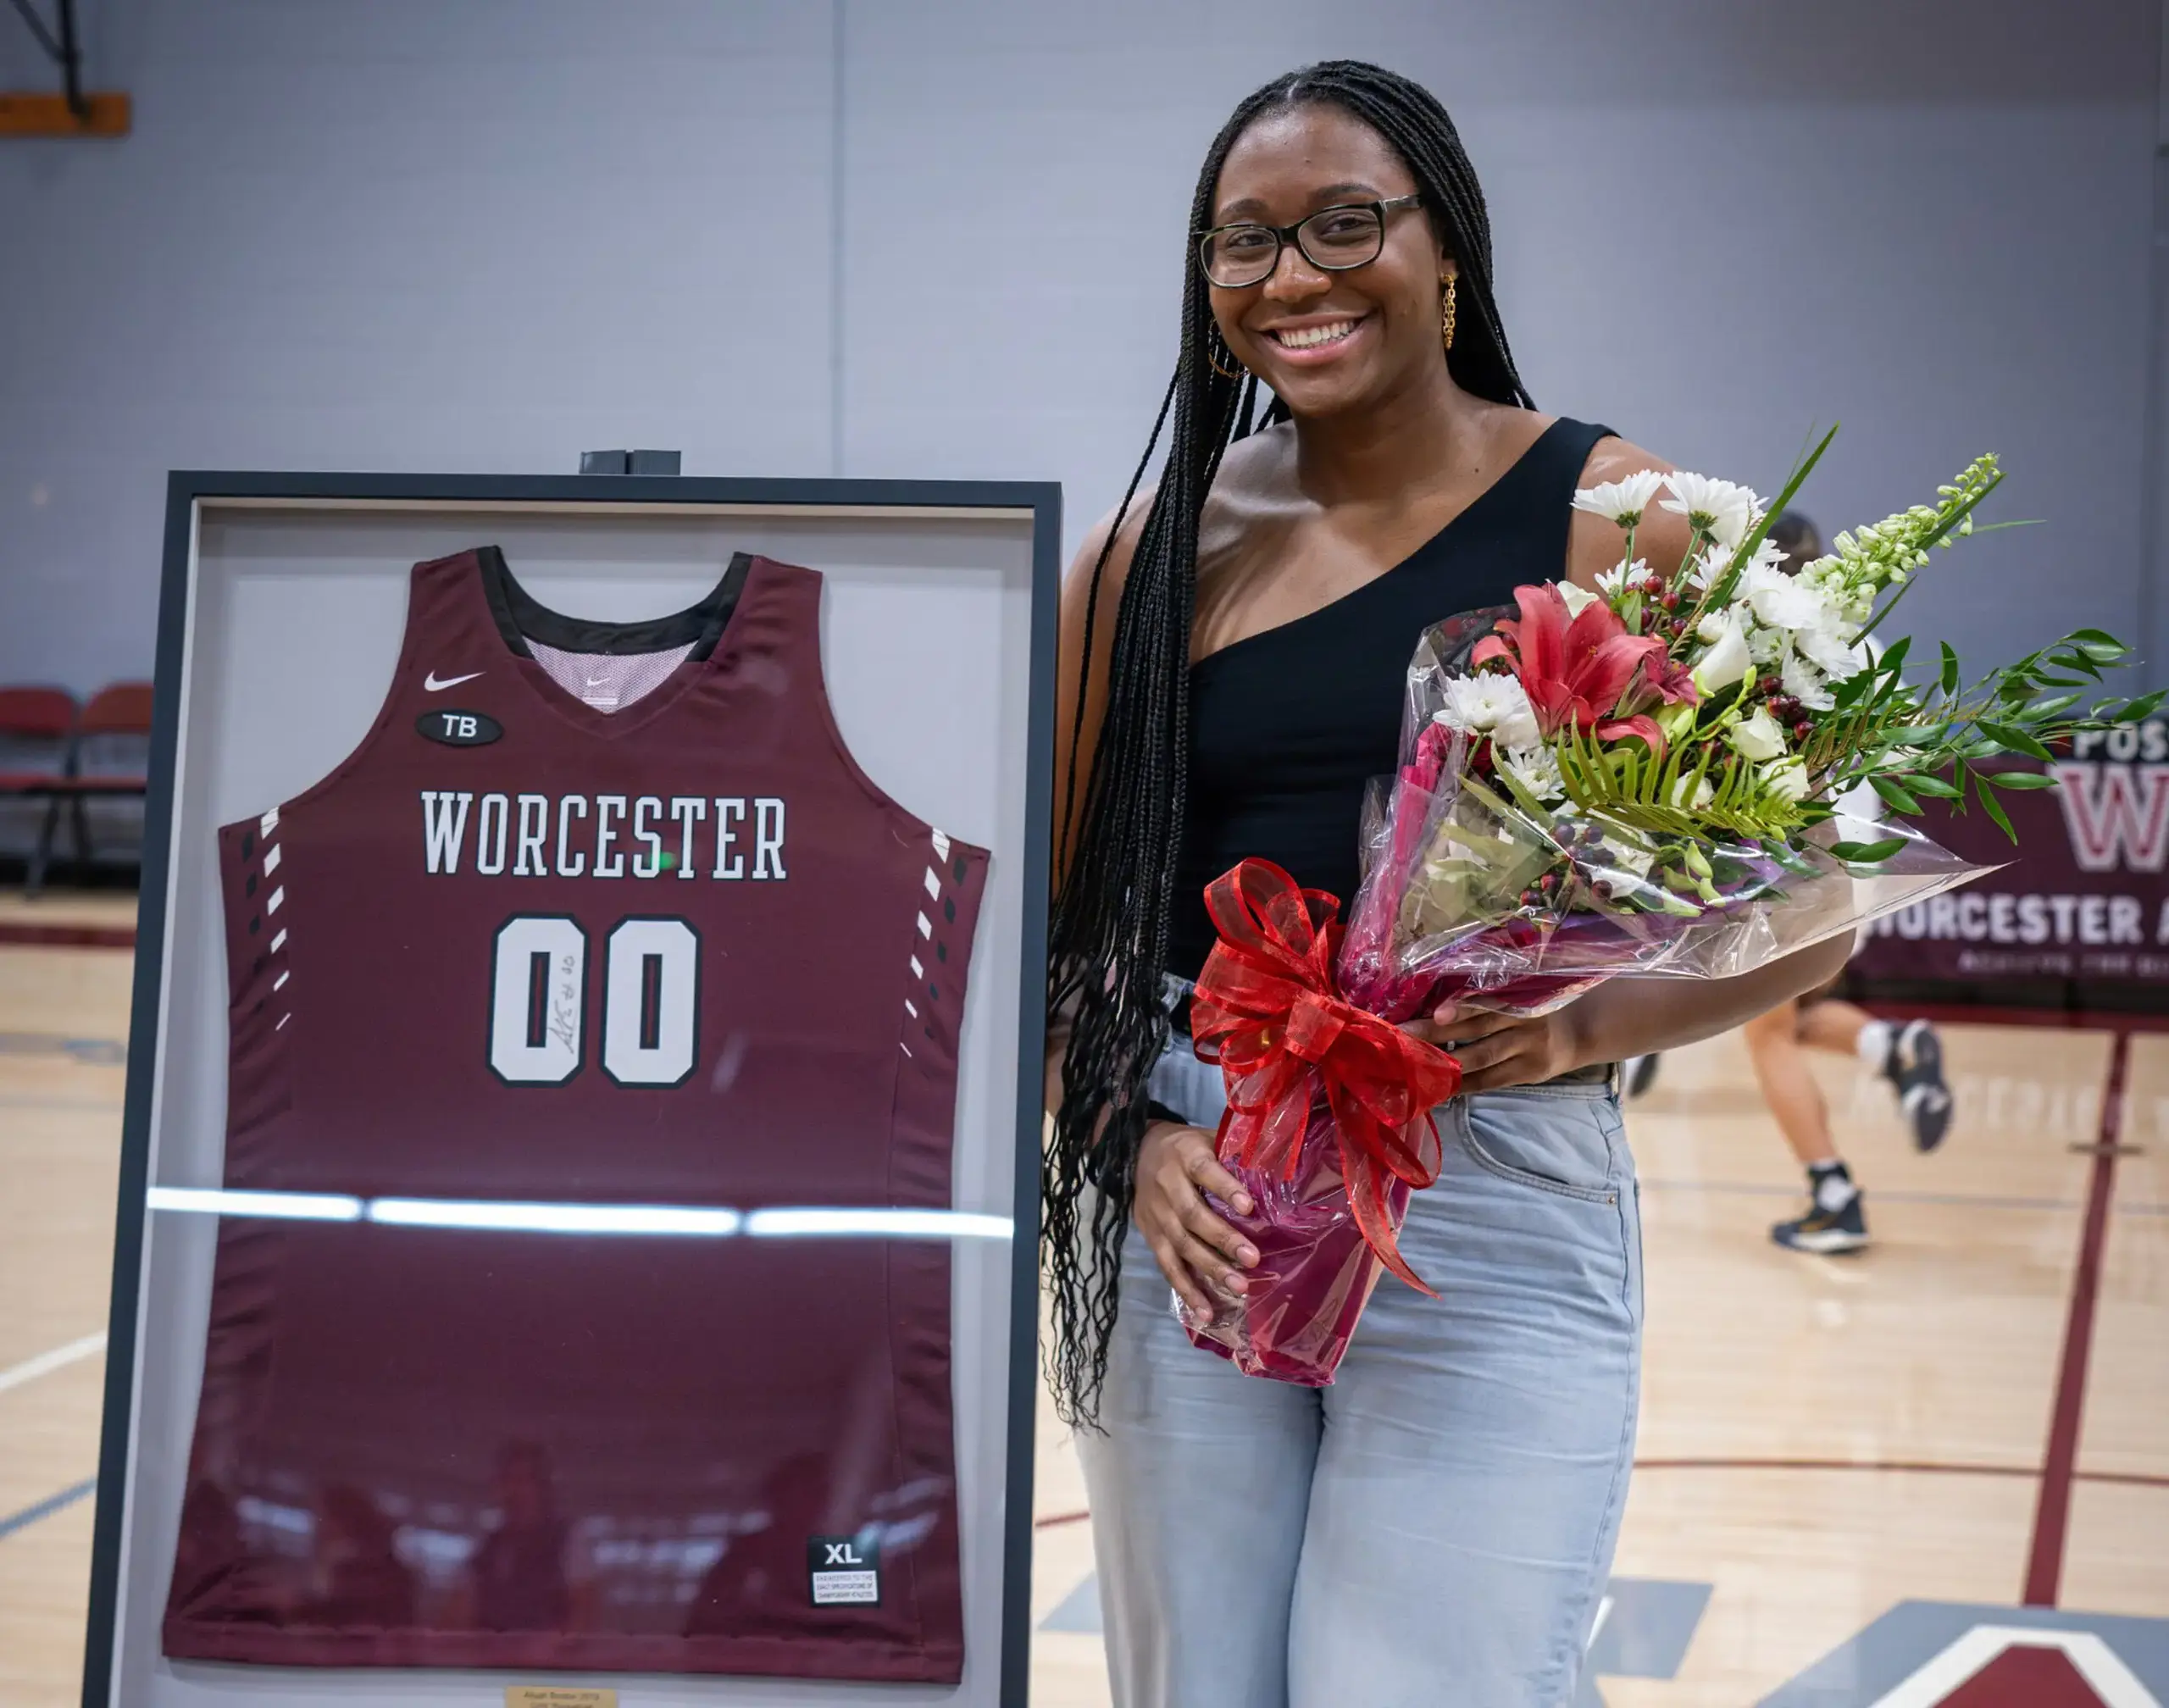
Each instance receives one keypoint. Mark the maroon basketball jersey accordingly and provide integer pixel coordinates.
(600, 924)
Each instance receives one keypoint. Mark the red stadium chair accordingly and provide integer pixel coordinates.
(34, 723)
(123, 709)
(119, 713)
(37, 746)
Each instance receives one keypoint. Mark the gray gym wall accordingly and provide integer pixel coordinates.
(944, 237)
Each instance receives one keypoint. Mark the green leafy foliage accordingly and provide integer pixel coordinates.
(1909, 741)
(1867, 853)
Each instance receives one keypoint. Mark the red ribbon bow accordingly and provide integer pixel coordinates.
(1268, 1011)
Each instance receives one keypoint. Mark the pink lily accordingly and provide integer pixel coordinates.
(1578, 671)
(1671, 681)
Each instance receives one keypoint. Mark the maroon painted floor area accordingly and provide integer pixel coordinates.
(2026, 1677)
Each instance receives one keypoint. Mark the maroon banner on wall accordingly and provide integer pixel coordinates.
(2077, 916)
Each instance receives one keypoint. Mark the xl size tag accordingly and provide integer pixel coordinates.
(844, 1570)
(558, 1696)
(458, 728)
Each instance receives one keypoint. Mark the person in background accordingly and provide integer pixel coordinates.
(357, 1577)
(1907, 1054)
(517, 1573)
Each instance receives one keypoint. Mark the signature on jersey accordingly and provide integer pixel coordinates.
(564, 1007)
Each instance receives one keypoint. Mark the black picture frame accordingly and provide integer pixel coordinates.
(185, 490)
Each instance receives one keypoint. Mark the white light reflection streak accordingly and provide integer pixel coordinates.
(681, 1221)
(553, 1219)
(879, 1223)
(291, 1206)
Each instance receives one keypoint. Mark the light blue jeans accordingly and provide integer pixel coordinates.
(1434, 1529)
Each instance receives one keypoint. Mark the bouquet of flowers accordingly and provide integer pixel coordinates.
(1685, 778)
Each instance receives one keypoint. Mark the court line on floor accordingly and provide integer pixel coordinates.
(59, 1358)
(2135, 1479)
(2059, 1460)
(1897, 1195)
(91, 1052)
(44, 1508)
(1995, 1014)
(62, 1103)
(18, 934)
(1932, 1467)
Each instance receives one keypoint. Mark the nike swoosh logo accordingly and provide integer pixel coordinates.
(431, 684)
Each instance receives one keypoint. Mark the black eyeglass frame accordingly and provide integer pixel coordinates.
(1283, 235)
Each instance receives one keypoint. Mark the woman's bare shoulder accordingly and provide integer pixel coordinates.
(1247, 487)
(1614, 459)
(1097, 562)
(1255, 487)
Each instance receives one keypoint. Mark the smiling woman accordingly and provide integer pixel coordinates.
(1436, 1525)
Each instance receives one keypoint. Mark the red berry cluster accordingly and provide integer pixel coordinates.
(1544, 892)
(1787, 710)
(1664, 617)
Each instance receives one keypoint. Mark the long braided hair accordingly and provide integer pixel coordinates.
(1109, 942)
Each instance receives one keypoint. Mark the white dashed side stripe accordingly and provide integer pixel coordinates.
(277, 899)
(279, 942)
(269, 822)
(271, 857)
(279, 983)
(933, 882)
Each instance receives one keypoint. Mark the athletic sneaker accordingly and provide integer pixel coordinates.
(1835, 1221)
(1914, 1067)
(1826, 1232)
(1637, 1073)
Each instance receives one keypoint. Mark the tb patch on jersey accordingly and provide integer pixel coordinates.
(458, 728)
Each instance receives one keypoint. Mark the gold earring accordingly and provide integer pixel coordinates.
(1214, 345)
(1446, 317)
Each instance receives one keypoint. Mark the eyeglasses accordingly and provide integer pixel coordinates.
(1333, 240)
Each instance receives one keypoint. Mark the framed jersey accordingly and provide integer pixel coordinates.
(578, 1193)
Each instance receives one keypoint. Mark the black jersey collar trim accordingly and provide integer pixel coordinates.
(521, 618)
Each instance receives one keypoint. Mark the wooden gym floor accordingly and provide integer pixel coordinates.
(1935, 1472)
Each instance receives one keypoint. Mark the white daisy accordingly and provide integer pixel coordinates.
(1721, 508)
(1705, 566)
(1577, 599)
(1621, 501)
(1780, 601)
(1535, 768)
(1612, 582)
(1804, 682)
(1825, 646)
(1491, 705)
(1767, 555)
